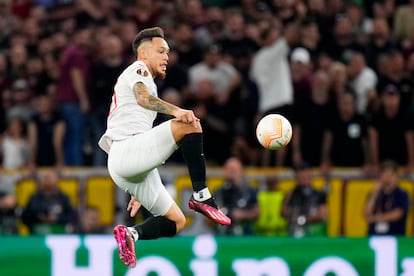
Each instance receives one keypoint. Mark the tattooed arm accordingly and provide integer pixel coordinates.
(146, 100)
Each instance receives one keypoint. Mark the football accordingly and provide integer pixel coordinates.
(274, 131)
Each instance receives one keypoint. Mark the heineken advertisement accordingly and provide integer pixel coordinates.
(66, 255)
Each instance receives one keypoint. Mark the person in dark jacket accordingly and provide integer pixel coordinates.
(387, 206)
(49, 210)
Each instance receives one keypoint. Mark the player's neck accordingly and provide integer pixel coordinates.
(153, 75)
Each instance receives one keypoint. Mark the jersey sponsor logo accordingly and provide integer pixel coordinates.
(142, 72)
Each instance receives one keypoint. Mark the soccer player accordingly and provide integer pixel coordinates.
(135, 148)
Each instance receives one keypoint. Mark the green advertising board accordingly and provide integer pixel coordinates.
(205, 255)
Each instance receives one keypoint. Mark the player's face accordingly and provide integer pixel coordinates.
(158, 57)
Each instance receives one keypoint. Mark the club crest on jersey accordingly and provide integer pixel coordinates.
(142, 72)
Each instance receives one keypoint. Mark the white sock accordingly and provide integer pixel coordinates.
(134, 233)
(202, 195)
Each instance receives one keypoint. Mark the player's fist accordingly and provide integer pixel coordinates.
(186, 116)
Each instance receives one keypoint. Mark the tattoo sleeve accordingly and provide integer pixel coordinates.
(146, 100)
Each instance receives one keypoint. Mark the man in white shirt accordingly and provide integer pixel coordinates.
(135, 148)
(271, 72)
(222, 74)
(363, 81)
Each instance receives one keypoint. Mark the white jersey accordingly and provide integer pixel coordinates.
(126, 117)
(271, 73)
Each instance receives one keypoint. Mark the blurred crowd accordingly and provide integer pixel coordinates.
(340, 71)
(304, 209)
(266, 208)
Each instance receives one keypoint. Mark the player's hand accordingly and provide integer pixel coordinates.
(187, 116)
(133, 206)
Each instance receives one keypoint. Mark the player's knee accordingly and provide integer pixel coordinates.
(180, 223)
(180, 129)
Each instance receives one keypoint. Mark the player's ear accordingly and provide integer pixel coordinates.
(142, 52)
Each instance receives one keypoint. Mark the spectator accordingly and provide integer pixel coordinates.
(311, 121)
(271, 222)
(18, 59)
(222, 74)
(184, 43)
(270, 70)
(14, 145)
(396, 74)
(361, 25)
(387, 207)
(103, 78)
(73, 97)
(345, 140)
(255, 11)
(379, 43)
(8, 214)
(234, 42)
(317, 11)
(338, 81)
(404, 20)
(382, 66)
(89, 222)
(310, 39)
(22, 106)
(144, 13)
(237, 200)
(36, 78)
(31, 31)
(390, 133)
(7, 23)
(177, 77)
(301, 68)
(193, 11)
(305, 208)
(46, 132)
(127, 31)
(324, 62)
(92, 13)
(343, 39)
(49, 210)
(212, 31)
(362, 80)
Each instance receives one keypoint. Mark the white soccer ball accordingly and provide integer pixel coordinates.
(274, 131)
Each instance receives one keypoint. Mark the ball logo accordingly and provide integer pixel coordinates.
(142, 72)
(275, 133)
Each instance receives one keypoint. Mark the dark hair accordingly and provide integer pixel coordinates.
(302, 166)
(389, 164)
(146, 35)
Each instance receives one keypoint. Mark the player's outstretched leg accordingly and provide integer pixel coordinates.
(150, 229)
(126, 245)
(201, 200)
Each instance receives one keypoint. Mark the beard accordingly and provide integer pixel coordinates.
(161, 74)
